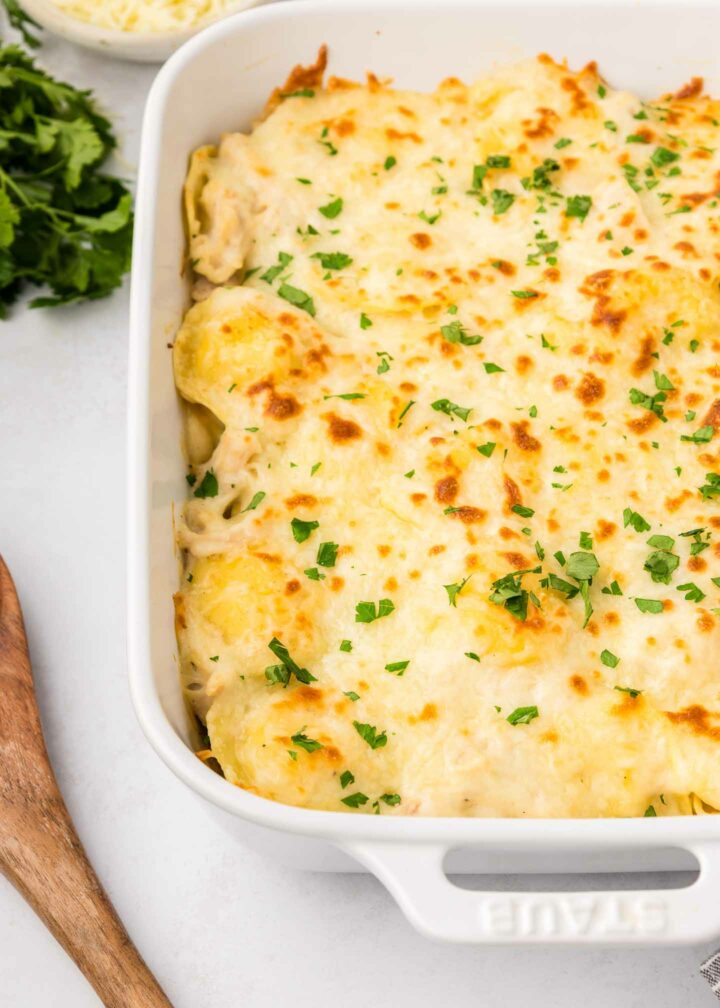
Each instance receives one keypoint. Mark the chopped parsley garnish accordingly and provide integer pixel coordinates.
(629, 690)
(585, 541)
(398, 667)
(522, 715)
(273, 272)
(524, 295)
(711, 489)
(430, 218)
(288, 667)
(612, 589)
(636, 520)
(488, 448)
(303, 742)
(387, 799)
(390, 162)
(498, 161)
(609, 659)
(332, 209)
(370, 734)
(649, 812)
(385, 359)
(355, 800)
(562, 142)
(652, 403)
(692, 592)
(540, 178)
(453, 590)
(701, 436)
(208, 486)
(491, 368)
(452, 409)
(327, 554)
(257, 499)
(524, 512)
(455, 332)
(347, 396)
(646, 605)
(297, 297)
(661, 565)
(365, 322)
(472, 655)
(662, 382)
(352, 695)
(346, 777)
(301, 530)
(502, 200)
(404, 411)
(333, 260)
(368, 612)
(578, 206)
(302, 93)
(509, 593)
(346, 646)
(661, 156)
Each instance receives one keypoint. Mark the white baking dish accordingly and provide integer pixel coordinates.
(219, 82)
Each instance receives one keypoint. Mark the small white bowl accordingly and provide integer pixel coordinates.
(140, 47)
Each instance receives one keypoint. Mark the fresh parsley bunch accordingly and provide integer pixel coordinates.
(64, 225)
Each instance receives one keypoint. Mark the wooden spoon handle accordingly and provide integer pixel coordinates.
(40, 852)
(49, 867)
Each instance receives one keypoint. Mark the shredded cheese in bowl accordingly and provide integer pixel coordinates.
(146, 15)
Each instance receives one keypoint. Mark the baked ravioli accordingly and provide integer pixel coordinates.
(452, 396)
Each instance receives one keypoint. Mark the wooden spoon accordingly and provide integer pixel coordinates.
(40, 852)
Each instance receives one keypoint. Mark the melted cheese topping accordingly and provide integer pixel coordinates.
(145, 15)
(442, 340)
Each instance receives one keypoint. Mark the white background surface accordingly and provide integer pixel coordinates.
(221, 926)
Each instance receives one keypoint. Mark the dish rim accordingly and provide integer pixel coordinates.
(339, 826)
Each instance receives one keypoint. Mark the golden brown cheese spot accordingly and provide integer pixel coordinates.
(292, 587)
(428, 713)
(560, 382)
(469, 515)
(344, 127)
(523, 438)
(712, 417)
(516, 560)
(420, 240)
(590, 388)
(505, 267)
(337, 583)
(300, 500)
(384, 550)
(392, 134)
(697, 563)
(435, 550)
(512, 492)
(605, 529)
(645, 358)
(342, 430)
(446, 490)
(523, 363)
(542, 126)
(300, 77)
(579, 685)
(697, 719)
(692, 89)
(391, 584)
(418, 498)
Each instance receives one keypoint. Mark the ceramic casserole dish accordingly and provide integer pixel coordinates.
(218, 82)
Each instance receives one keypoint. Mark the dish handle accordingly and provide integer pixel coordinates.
(439, 909)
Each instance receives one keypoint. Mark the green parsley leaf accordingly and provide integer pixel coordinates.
(636, 520)
(355, 800)
(661, 565)
(314, 574)
(208, 486)
(370, 734)
(613, 589)
(271, 274)
(472, 655)
(509, 593)
(609, 659)
(346, 777)
(398, 667)
(452, 409)
(486, 449)
(652, 403)
(649, 812)
(522, 715)
(390, 799)
(491, 368)
(390, 162)
(711, 489)
(352, 695)
(649, 605)
(661, 156)
(629, 690)
(303, 742)
(301, 530)
(662, 381)
(455, 332)
(453, 590)
(327, 554)
(368, 612)
(297, 297)
(346, 646)
(287, 668)
(365, 322)
(332, 209)
(582, 566)
(692, 592)
(562, 142)
(348, 396)
(333, 260)
(578, 206)
(701, 436)
(257, 499)
(524, 512)
(523, 295)
(502, 200)
(404, 411)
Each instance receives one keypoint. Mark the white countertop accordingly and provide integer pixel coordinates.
(221, 926)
